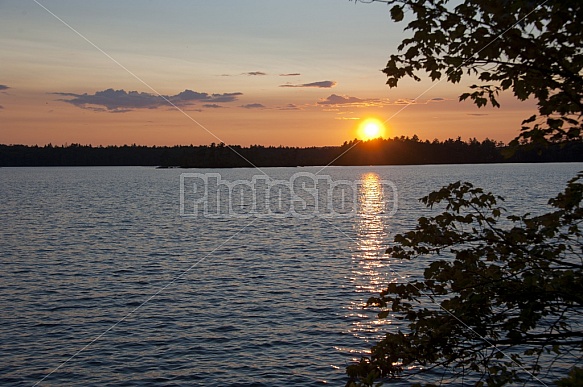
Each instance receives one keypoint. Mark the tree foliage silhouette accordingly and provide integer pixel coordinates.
(395, 151)
(502, 294)
(531, 48)
(499, 293)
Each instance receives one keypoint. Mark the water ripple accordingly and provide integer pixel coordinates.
(279, 304)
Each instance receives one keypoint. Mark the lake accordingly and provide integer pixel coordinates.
(123, 277)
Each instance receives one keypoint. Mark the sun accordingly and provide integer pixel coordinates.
(371, 128)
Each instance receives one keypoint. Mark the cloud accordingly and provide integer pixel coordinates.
(411, 101)
(212, 106)
(1, 107)
(335, 99)
(193, 96)
(321, 84)
(121, 101)
(253, 106)
(477, 114)
(249, 73)
(4, 87)
(290, 106)
(404, 101)
(290, 75)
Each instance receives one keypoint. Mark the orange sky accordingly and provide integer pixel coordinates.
(301, 74)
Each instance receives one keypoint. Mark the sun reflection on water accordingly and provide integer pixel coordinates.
(370, 267)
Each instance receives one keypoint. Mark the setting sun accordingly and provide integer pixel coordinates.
(371, 128)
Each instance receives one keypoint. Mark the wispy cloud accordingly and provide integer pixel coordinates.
(212, 106)
(321, 84)
(290, 75)
(248, 73)
(336, 99)
(345, 101)
(121, 101)
(290, 106)
(404, 101)
(4, 87)
(253, 106)
(477, 114)
(410, 101)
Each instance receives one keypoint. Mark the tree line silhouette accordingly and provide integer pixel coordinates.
(396, 151)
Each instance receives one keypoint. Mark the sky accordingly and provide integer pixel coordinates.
(267, 72)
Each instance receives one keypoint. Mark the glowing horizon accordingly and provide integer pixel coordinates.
(231, 81)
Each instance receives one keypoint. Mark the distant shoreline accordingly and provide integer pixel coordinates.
(396, 151)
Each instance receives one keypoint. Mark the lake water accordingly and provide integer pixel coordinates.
(104, 282)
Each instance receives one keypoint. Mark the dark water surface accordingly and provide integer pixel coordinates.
(104, 283)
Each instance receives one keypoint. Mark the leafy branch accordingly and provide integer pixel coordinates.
(508, 283)
(535, 47)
